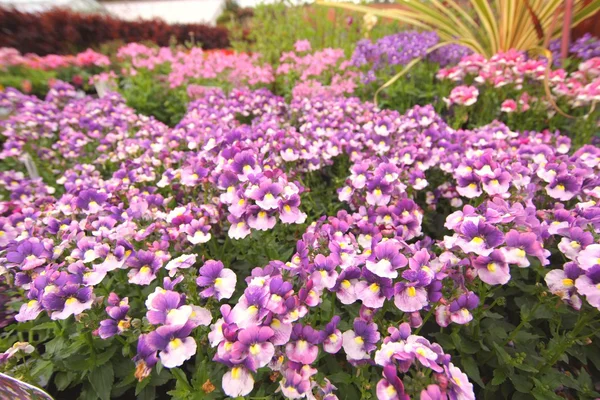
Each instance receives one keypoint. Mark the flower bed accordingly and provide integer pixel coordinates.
(304, 245)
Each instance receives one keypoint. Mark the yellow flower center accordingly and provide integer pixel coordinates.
(374, 288)
(70, 301)
(236, 372)
(255, 349)
(412, 292)
(346, 284)
(491, 267)
(477, 240)
(262, 214)
(145, 270)
(359, 340)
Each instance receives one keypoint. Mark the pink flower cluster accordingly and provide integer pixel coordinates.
(88, 58)
(514, 69)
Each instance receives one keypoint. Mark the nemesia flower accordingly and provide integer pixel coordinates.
(360, 341)
(217, 280)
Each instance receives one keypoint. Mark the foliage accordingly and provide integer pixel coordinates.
(45, 33)
(275, 28)
(147, 93)
(485, 27)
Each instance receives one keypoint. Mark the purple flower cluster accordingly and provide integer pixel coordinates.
(137, 200)
(584, 48)
(400, 49)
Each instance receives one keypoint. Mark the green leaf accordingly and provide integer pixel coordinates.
(526, 367)
(523, 336)
(149, 393)
(106, 355)
(503, 356)
(522, 383)
(55, 345)
(470, 367)
(499, 376)
(340, 377)
(181, 377)
(62, 380)
(102, 379)
(140, 386)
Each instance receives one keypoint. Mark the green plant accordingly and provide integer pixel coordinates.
(149, 93)
(276, 27)
(486, 27)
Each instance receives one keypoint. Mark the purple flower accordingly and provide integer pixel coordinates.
(564, 187)
(68, 300)
(588, 285)
(254, 347)
(480, 238)
(521, 244)
(302, 347)
(119, 321)
(28, 254)
(238, 381)
(561, 282)
(143, 267)
(345, 286)
(145, 358)
(217, 280)
(333, 336)
(184, 261)
(460, 308)
(166, 307)
(589, 257)
(391, 387)
(373, 291)
(386, 259)
(459, 387)
(173, 344)
(432, 392)
(411, 295)
(325, 275)
(361, 341)
(575, 240)
(492, 269)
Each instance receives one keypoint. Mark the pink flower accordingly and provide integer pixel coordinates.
(463, 96)
(302, 45)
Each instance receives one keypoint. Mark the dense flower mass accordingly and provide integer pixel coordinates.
(203, 248)
(513, 69)
(396, 50)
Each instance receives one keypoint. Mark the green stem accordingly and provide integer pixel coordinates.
(427, 316)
